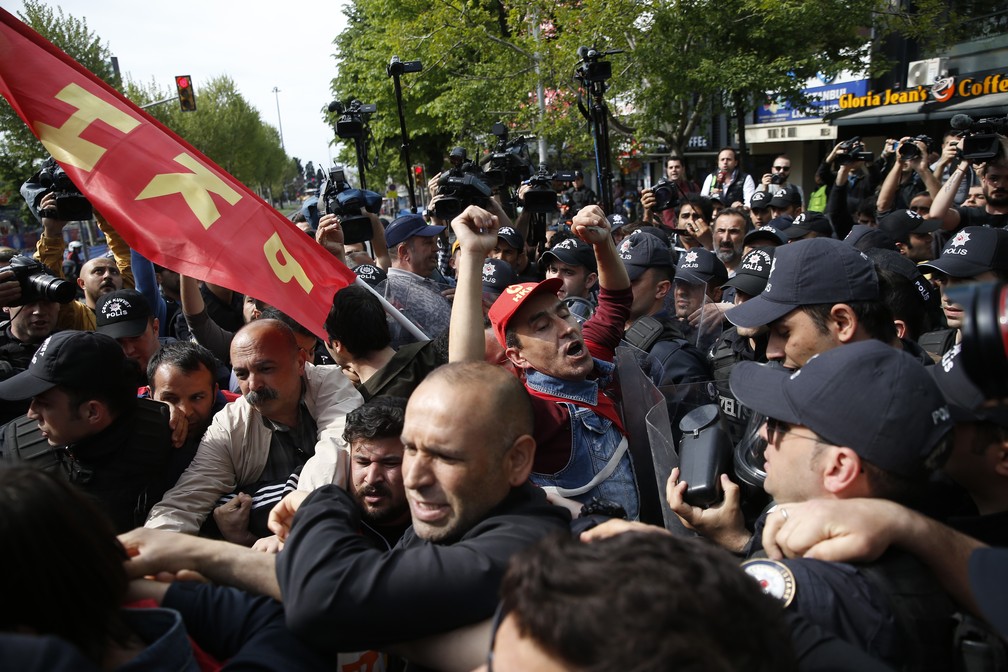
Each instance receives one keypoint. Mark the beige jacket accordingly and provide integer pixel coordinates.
(236, 445)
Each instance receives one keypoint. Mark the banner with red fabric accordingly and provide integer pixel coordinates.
(168, 201)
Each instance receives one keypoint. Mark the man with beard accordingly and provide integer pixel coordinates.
(289, 411)
(729, 231)
(993, 179)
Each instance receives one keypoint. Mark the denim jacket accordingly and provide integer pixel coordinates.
(594, 440)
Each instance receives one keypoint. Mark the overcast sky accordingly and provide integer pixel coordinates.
(259, 44)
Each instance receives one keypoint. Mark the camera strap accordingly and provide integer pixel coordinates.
(600, 477)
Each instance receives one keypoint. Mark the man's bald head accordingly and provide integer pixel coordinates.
(272, 331)
(487, 396)
(99, 276)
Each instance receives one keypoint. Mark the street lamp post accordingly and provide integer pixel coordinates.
(276, 93)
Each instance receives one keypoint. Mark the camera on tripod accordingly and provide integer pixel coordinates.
(354, 117)
(541, 197)
(591, 67)
(458, 188)
(349, 205)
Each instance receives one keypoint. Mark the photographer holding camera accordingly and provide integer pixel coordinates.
(909, 184)
(98, 276)
(779, 177)
(993, 174)
(852, 199)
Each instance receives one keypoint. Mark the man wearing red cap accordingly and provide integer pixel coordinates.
(582, 447)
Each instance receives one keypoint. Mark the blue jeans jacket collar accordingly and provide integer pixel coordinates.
(583, 391)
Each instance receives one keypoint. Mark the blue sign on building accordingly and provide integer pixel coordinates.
(825, 99)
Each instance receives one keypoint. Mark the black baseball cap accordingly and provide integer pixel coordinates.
(616, 221)
(966, 401)
(511, 237)
(123, 313)
(753, 272)
(868, 396)
(972, 251)
(760, 200)
(809, 222)
(899, 224)
(642, 250)
(785, 197)
(497, 275)
(864, 237)
(77, 359)
(807, 272)
(700, 266)
(891, 260)
(573, 251)
(768, 233)
(370, 274)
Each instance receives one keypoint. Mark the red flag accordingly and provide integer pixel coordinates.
(168, 201)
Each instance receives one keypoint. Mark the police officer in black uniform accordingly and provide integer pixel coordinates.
(86, 424)
(860, 420)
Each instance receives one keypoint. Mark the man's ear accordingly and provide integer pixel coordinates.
(93, 411)
(845, 322)
(518, 460)
(902, 248)
(590, 280)
(333, 346)
(515, 355)
(901, 328)
(841, 471)
(80, 283)
(662, 289)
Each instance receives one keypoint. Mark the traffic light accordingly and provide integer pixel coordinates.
(418, 174)
(186, 94)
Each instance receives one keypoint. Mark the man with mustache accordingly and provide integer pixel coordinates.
(254, 449)
(994, 180)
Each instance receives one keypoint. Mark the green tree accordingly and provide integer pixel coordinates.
(20, 150)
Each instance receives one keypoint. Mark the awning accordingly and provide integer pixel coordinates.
(991, 104)
(981, 106)
(883, 114)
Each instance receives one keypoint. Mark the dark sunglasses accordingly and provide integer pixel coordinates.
(785, 169)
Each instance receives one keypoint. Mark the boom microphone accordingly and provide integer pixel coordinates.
(962, 122)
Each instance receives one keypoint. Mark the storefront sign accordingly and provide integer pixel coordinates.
(967, 86)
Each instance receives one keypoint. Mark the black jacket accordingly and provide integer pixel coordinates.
(341, 594)
(125, 467)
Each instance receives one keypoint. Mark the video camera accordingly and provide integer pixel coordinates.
(354, 117)
(540, 197)
(853, 150)
(981, 138)
(71, 205)
(349, 204)
(509, 163)
(909, 150)
(458, 188)
(591, 67)
(38, 282)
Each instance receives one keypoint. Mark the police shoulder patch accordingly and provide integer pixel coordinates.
(774, 578)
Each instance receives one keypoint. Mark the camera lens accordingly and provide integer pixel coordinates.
(51, 288)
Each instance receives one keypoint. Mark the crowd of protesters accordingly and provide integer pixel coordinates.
(492, 458)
